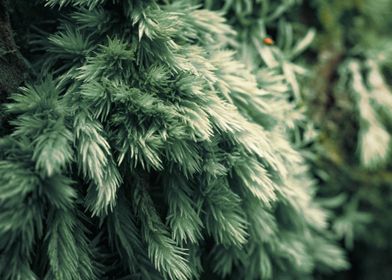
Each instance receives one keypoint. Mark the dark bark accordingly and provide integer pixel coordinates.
(13, 69)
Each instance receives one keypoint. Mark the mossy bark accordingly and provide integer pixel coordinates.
(13, 67)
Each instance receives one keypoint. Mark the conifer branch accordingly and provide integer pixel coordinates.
(172, 147)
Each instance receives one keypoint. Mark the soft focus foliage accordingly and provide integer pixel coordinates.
(354, 107)
(347, 99)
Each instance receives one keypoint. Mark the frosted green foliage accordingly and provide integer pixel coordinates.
(380, 92)
(273, 65)
(351, 78)
(33, 161)
(19, 221)
(370, 93)
(51, 138)
(87, 3)
(365, 55)
(167, 257)
(168, 144)
(96, 162)
(278, 78)
(183, 213)
(68, 250)
(224, 217)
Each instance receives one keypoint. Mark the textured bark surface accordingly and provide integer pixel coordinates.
(13, 69)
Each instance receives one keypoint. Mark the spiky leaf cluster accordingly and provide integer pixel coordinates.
(273, 62)
(153, 130)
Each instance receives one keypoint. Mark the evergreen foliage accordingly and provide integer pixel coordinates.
(145, 150)
(348, 98)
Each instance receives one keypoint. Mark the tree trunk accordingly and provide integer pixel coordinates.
(13, 69)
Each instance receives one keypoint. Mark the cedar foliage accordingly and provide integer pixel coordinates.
(146, 150)
(346, 134)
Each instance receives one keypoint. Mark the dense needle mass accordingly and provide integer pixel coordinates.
(147, 151)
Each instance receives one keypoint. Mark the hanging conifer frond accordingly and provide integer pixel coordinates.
(151, 127)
